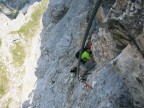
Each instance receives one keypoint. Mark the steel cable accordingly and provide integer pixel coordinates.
(95, 9)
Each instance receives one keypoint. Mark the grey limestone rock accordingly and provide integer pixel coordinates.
(110, 91)
(140, 42)
(11, 8)
(118, 80)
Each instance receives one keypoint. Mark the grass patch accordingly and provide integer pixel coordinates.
(8, 102)
(3, 80)
(30, 28)
(20, 87)
(18, 53)
(0, 42)
(13, 14)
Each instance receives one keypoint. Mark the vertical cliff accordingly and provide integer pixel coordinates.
(38, 53)
(118, 78)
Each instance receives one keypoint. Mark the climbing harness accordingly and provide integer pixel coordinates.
(95, 9)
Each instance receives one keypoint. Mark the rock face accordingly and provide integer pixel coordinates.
(110, 90)
(17, 4)
(117, 46)
(11, 8)
(117, 51)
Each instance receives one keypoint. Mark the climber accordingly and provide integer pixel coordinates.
(87, 60)
(86, 54)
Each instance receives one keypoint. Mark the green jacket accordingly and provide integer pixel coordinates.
(85, 56)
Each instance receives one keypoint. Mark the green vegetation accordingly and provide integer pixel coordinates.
(0, 42)
(18, 53)
(8, 102)
(30, 28)
(3, 80)
(13, 14)
(20, 87)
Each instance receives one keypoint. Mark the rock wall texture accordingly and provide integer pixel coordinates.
(117, 36)
(117, 47)
(17, 4)
(11, 8)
